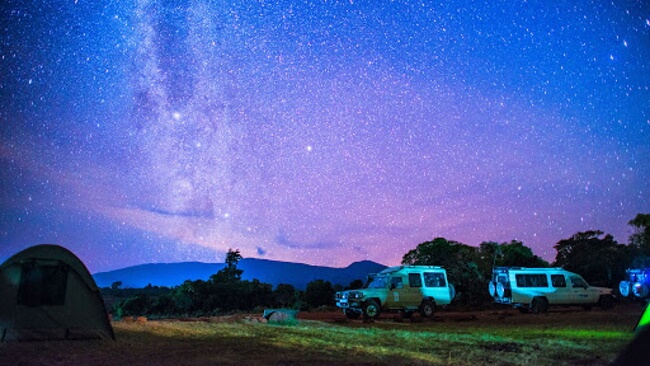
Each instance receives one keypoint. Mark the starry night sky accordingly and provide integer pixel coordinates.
(321, 132)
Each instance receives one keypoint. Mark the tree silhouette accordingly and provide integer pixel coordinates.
(641, 236)
(461, 262)
(319, 293)
(599, 259)
(513, 254)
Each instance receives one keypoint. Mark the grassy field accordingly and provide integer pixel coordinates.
(496, 338)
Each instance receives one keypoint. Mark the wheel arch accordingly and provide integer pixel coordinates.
(428, 298)
(539, 296)
(377, 300)
(544, 302)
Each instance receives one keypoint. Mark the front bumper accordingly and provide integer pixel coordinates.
(348, 304)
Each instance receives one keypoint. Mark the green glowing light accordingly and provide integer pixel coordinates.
(644, 320)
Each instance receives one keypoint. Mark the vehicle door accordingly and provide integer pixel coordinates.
(561, 292)
(413, 292)
(396, 292)
(580, 291)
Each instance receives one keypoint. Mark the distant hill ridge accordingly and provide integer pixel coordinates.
(267, 271)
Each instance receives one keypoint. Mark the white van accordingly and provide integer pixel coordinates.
(535, 289)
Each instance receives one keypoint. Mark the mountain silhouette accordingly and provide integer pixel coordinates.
(266, 271)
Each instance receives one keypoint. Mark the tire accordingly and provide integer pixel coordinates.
(492, 288)
(539, 305)
(606, 302)
(352, 314)
(371, 309)
(640, 290)
(427, 309)
(624, 288)
(452, 292)
(501, 290)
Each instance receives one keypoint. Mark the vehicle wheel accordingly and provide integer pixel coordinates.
(606, 302)
(452, 292)
(624, 288)
(492, 288)
(640, 290)
(502, 290)
(539, 305)
(352, 314)
(371, 310)
(427, 309)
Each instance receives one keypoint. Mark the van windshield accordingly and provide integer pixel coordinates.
(378, 282)
(578, 282)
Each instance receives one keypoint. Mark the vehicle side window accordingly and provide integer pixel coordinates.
(558, 280)
(434, 279)
(578, 282)
(415, 280)
(396, 282)
(531, 280)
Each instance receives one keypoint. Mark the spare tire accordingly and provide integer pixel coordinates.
(640, 290)
(492, 288)
(624, 288)
(452, 292)
(501, 290)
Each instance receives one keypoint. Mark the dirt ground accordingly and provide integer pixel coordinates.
(627, 314)
(146, 342)
(621, 314)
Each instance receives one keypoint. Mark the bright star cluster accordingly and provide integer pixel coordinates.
(321, 132)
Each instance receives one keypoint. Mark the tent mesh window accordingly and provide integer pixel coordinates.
(42, 285)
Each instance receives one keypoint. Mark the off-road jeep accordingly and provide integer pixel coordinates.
(637, 283)
(404, 289)
(535, 289)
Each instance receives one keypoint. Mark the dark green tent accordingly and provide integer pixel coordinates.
(48, 293)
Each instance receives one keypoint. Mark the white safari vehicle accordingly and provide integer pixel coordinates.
(535, 289)
(404, 289)
(636, 284)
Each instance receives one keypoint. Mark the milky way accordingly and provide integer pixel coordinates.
(319, 132)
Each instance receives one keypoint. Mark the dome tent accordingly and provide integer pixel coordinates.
(48, 293)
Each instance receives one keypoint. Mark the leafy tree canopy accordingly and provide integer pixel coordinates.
(230, 273)
(513, 254)
(641, 236)
(460, 261)
(438, 252)
(594, 255)
(319, 293)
